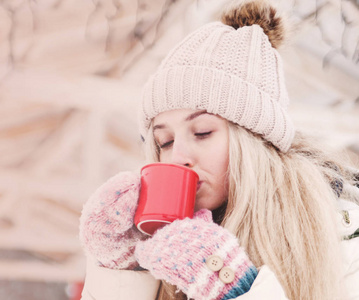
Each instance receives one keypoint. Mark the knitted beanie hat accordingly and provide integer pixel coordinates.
(230, 69)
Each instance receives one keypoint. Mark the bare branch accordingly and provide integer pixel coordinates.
(345, 47)
(139, 35)
(12, 9)
(356, 53)
(110, 21)
(97, 7)
(328, 57)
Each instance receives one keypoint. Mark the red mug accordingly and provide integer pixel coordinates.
(168, 193)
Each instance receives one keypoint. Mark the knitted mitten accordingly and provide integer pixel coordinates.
(200, 257)
(107, 233)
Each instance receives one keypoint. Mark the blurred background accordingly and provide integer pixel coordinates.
(71, 74)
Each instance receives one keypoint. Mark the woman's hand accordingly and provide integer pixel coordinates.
(107, 232)
(200, 257)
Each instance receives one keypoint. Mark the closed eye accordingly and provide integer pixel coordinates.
(199, 135)
(202, 135)
(165, 145)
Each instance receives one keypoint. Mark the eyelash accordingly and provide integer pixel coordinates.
(165, 145)
(201, 136)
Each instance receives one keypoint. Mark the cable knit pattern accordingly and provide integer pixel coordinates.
(177, 253)
(107, 232)
(234, 73)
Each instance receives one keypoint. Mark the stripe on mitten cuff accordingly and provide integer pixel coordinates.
(243, 285)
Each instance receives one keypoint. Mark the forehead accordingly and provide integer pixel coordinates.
(182, 117)
(176, 114)
(185, 116)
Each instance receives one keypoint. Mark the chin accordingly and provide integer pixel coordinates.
(199, 206)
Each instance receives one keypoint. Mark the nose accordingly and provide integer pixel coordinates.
(182, 154)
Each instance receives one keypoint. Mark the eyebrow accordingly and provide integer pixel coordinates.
(188, 118)
(195, 115)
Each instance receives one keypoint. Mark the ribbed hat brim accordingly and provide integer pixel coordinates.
(202, 88)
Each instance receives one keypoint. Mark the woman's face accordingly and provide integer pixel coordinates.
(199, 141)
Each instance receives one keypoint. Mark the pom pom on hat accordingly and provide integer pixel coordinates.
(246, 13)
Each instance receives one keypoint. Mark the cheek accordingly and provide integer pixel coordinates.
(218, 167)
(222, 163)
(163, 157)
(220, 160)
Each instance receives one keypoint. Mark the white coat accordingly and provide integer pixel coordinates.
(107, 284)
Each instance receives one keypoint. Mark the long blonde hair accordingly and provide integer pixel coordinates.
(282, 209)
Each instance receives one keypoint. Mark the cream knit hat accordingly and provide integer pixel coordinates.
(234, 73)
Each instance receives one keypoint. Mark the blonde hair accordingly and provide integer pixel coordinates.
(282, 209)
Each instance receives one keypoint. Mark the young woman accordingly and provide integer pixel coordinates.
(275, 217)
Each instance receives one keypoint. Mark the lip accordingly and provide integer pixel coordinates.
(199, 183)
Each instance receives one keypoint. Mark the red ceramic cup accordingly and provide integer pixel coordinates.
(168, 193)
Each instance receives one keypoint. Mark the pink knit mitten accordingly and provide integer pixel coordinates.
(201, 258)
(107, 232)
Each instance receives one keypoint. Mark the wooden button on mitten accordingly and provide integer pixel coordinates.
(191, 253)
